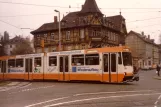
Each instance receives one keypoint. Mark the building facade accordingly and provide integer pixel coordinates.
(144, 51)
(87, 28)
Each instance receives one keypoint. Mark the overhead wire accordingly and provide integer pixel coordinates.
(145, 26)
(69, 6)
(27, 15)
(143, 19)
(10, 24)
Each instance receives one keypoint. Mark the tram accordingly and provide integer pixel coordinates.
(108, 64)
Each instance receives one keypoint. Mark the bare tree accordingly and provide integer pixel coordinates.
(23, 47)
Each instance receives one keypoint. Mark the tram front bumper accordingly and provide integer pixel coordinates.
(131, 78)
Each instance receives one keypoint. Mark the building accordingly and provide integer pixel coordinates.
(87, 28)
(10, 44)
(144, 51)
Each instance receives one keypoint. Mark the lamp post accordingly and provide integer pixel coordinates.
(27, 28)
(59, 29)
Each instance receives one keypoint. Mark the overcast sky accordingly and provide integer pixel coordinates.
(27, 16)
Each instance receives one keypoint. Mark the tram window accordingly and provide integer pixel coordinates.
(11, 63)
(38, 61)
(19, 62)
(113, 62)
(127, 59)
(120, 58)
(92, 59)
(52, 61)
(106, 62)
(77, 60)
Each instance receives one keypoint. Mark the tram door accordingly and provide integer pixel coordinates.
(28, 69)
(64, 68)
(3, 69)
(110, 73)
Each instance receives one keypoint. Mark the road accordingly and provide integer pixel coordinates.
(145, 93)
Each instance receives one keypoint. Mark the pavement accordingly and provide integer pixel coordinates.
(144, 93)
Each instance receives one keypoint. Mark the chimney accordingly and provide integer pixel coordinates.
(82, 6)
(142, 33)
(55, 19)
(148, 36)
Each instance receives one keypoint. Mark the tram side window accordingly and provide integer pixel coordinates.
(52, 61)
(11, 63)
(19, 62)
(120, 58)
(38, 62)
(77, 60)
(92, 59)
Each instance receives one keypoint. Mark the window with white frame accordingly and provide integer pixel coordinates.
(45, 37)
(38, 62)
(52, 36)
(82, 33)
(92, 59)
(109, 36)
(68, 35)
(52, 61)
(83, 46)
(114, 37)
(77, 60)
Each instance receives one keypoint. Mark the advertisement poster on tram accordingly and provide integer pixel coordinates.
(14, 70)
(85, 69)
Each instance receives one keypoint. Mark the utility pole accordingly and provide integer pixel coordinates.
(42, 45)
(59, 29)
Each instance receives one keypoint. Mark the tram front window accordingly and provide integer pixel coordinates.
(127, 58)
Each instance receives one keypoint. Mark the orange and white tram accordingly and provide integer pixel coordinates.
(109, 64)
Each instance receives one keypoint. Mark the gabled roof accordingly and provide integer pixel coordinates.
(117, 20)
(147, 40)
(70, 16)
(90, 6)
(72, 19)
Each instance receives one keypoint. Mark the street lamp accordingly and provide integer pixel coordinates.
(27, 28)
(59, 29)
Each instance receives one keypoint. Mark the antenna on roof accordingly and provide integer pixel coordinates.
(120, 11)
(69, 8)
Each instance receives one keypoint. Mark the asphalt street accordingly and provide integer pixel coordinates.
(144, 93)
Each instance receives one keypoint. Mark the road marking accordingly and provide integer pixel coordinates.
(89, 99)
(159, 97)
(156, 103)
(111, 92)
(26, 85)
(31, 89)
(46, 101)
(20, 85)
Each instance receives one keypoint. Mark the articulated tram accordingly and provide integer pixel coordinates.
(108, 64)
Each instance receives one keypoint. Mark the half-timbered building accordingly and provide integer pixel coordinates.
(87, 28)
